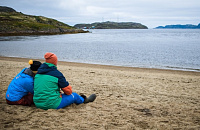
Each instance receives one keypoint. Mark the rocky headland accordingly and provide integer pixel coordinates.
(111, 25)
(178, 26)
(17, 23)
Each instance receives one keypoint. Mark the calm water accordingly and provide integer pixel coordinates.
(152, 48)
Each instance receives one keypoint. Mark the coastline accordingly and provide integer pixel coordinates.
(127, 98)
(40, 33)
(106, 66)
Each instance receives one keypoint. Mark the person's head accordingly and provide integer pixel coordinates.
(51, 58)
(34, 65)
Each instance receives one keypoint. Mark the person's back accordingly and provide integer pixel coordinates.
(20, 86)
(47, 84)
(20, 90)
(48, 95)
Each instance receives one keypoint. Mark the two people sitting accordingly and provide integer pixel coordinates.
(41, 84)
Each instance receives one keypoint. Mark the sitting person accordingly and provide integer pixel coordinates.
(47, 84)
(20, 90)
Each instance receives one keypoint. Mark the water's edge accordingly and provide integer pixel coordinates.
(135, 67)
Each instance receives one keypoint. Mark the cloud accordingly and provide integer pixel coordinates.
(149, 12)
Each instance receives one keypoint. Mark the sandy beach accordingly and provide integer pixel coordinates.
(127, 98)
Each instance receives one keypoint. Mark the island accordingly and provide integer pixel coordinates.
(178, 26)
(17, 23)
(111, 25)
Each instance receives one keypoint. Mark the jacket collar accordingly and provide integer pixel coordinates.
(28, 71)
(46, 67)
(50, 64)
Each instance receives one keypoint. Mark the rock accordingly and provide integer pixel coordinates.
(6, 9)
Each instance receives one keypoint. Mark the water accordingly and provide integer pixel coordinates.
(150, 48)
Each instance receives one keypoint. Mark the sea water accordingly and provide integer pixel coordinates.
(148, 48)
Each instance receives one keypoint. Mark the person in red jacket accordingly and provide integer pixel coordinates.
(47, 84)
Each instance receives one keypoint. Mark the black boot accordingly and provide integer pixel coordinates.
(91, 98)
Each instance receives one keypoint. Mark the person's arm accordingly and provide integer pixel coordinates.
(67, 90)
(64, 85)
(29, 85)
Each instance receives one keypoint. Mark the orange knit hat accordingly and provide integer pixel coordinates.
(51, 58)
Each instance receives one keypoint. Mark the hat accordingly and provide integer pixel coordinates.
(51, 58)
(34, 65)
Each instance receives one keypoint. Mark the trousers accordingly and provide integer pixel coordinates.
(70, 99)
(26, 100)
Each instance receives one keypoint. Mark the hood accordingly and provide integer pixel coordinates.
(28, 71)
(46, 67)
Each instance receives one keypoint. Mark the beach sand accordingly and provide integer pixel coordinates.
(127, 98)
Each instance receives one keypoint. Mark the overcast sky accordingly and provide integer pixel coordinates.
(151, 13)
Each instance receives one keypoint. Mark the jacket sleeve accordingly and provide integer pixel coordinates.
(64, 85)
(29, 85)
(67, 90)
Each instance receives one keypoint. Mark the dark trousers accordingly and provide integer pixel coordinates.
(26, 100)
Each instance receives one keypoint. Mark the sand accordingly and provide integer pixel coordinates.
(127, 98)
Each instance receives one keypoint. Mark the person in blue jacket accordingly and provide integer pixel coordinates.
(20, 90)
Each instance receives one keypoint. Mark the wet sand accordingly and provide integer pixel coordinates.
(127, 98)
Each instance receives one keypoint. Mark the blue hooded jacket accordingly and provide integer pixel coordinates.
(21, 85)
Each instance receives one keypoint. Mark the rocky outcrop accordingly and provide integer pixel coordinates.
(17, 23)
(112, 25)
(178, 26)
(6, 9)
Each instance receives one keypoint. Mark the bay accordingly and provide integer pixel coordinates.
(177, 49)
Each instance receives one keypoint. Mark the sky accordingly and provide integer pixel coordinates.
(151, 13)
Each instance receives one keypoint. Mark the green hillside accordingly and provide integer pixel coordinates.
(112, 25)
(17, 23)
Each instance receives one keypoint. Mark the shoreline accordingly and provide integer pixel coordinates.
(41, 33)
(138, 69)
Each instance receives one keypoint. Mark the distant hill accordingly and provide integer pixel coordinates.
(178, 26)
(17, 23)
(111, 25)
